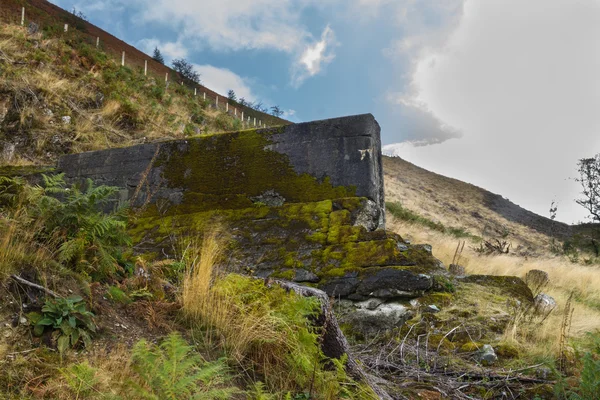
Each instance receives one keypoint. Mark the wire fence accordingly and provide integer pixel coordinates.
(44, 14)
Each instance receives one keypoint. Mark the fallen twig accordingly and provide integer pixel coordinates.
(34, 285)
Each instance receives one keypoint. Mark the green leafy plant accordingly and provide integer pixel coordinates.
(174, 371)
(71, 318)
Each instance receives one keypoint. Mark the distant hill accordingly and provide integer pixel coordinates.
(455, 203)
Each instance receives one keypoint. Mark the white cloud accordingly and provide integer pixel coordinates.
(169, 50)
(221, 80)
(521, 80)
(314, 57)
(231, 24)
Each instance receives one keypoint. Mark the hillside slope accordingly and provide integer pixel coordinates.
(458, 204)
(62, 95)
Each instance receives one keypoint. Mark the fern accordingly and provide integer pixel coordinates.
(173, 371)
(72, 220)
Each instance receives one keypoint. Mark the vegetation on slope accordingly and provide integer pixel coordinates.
(64, 96)
(556, 339)
(56, 237)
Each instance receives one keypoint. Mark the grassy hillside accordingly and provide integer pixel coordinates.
(426, 207)
(62, 96)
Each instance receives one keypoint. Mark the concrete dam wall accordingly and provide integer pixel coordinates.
(302, 202)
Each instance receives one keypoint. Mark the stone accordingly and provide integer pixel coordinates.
(390, 283)
(426, 247)
(431, 309)
(370, 304)
(8, 152)
(340, 287)
(402, 246)
(536, 279)
(544, 304)
(269, 198)
(66, 119)
(456, 269)
(487, 355)
(372, 321)
(303, 275)
(33, 28)
(368, 216)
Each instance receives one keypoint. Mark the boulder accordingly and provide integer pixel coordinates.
(456, 269)
(383, 318)
(544, 304)
(392, 282)
(303, 275)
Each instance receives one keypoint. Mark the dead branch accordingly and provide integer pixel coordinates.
(334, 343)
(34, 285)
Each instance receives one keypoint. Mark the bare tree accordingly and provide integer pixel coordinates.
(276, 111)
(589, 178)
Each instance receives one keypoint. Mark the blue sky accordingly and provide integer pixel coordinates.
(503, 94)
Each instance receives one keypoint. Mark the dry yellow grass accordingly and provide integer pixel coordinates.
(205, 306)
(458, 204)
(565, 277)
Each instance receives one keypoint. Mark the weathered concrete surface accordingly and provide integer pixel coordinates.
(341, 152)
(302, 202)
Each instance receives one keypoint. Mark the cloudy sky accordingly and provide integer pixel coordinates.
(504, 94)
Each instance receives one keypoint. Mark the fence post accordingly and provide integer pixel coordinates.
(217, 103)
(66, 27)
(123, 59)
(254, 121)
(204, 95)
(97, 41)
(23, 16)
(195, 91)
(242, 116)
(235, 111)
(166, 77)
(226, 107)
(181, 83)
(145, 67)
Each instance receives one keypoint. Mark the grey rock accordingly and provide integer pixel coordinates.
(384, 318)
(390, 283)
(269, 198)
(303, 275)
(368, 216)
(536, 279)
(341, 287)
(431, 309)
(487, 355)
(8, 152)
(456, 269)
(544, 304)
(426, 247)
(66, 119)
(370, 304)
(33, 28)
(263, 273)
(402, 246)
